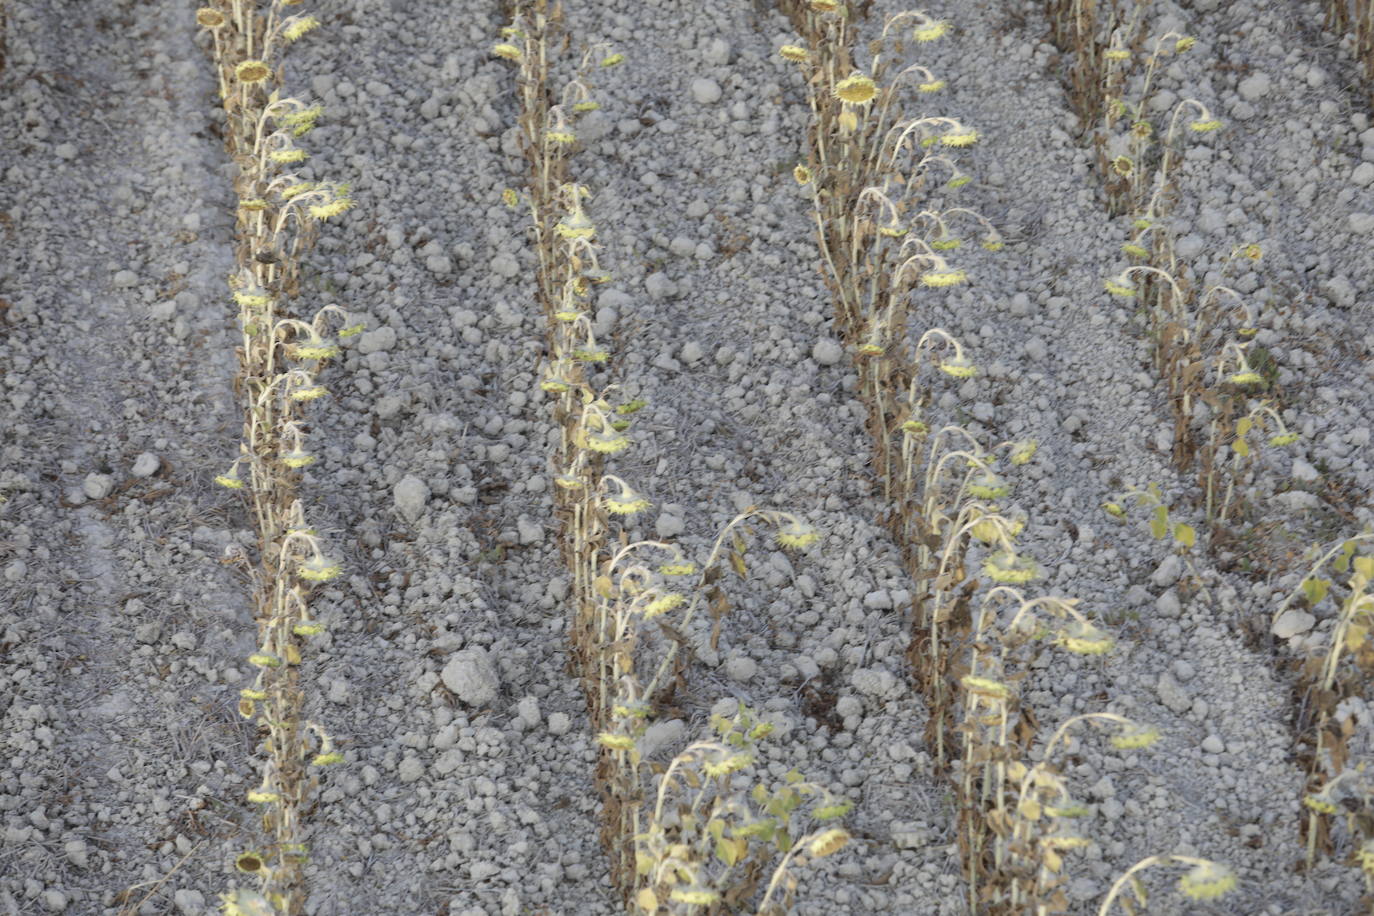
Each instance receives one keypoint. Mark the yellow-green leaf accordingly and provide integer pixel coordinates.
(1185, 534)
(1241, 448)
(1364, 566)
(1315, 589)
(646, 899)
(1159, 526)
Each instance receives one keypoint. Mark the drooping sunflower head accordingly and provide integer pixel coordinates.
(856, 89)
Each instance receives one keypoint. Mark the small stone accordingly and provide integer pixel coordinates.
(98, 486)
(1254, 87)
(410, 770)
(593, 126)
(388, 406)
(1302, 471)
(447, 762)
(878, 600)
(1292, 622)
(65, 151)
(741, 669)
(849, 706)
(1213, 745)
(125, 279)
(669, 525)
(682, 246)
(377, 340)
(909, 835)
(1184, 671)
(1363, 174)
(1190, 246)
(1339, 289)
(529, 530)
(827, 352)
(439, 264)
(505, 265)
(1359, 223)
(717, 52)
(15, 570)
(659, 287)
(706, 92)
(559, 723)
(691, 352)
(873, 682)
(410, 495)
(189, 902)
(1172, 695)
(146, 465)
(666, 735)
(1167, 605)
(77, 852)
(471, 676)
(1168, 572)
(528, 710)
(1036, 348)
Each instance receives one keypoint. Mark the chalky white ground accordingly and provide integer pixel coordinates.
(467, 787)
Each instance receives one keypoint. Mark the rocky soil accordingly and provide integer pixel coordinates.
(468, 784)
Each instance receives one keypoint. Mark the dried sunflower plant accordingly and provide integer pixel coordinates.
(1200, 349)
(1337, 667)
(708, 842)
(1355, 18)
(1093, 33)
(871, 170)
(1015, 819)
(1204, 881)
(1199, 336)
(280, 361)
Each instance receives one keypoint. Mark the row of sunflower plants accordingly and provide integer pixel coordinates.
(706, 831)
(873, 171)
(282, 358)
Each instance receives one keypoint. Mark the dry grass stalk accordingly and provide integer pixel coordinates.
(279, 362)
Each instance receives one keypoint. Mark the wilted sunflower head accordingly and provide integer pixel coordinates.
(856, 89)
(252, 71)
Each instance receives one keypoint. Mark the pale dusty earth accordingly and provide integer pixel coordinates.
(123, 632)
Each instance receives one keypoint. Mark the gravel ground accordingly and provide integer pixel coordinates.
(467, 787)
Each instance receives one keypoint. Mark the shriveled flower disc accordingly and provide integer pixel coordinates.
(252, 71)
